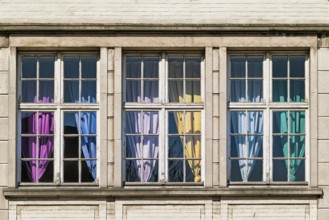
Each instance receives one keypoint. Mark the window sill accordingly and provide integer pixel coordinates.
(161, 191)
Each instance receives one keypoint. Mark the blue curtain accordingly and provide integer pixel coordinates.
(87, 122)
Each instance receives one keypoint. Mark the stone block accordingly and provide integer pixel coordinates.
(3, 152)
(3, 106)
(324, 201)
(323, 59)
(323, 128)
(4, 214)
(3, 201)
(323, 79)
(4, 175)
(323, 105)
(323, 176)
(323, 151)
(323, 214)
(4, 83)
(4, 129)
(4, 59)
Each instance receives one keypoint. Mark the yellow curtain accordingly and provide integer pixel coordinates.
(193, 143)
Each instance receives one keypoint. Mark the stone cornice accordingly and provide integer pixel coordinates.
(76, 193)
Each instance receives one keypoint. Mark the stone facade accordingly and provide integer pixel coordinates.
(213, 28)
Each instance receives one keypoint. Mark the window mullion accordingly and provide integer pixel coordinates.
(58, 121)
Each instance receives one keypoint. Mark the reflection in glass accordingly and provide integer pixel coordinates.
(46, 69)
(71, 66)
(238, 66)
(88, 67)
(29, 67)
(280, 91)
(280, 66)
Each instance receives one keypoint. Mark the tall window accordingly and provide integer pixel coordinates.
(267, 124)
(57, 118)
(163, 108)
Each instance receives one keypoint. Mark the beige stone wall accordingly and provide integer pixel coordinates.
(323, 129)
(4, 75)
(165, 12)
(215, 47)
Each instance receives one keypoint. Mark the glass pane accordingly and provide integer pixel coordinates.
(255, 146)
(29, 147)
(29, 91)
(176, 121)
(297, 122)
(237, 167)
(152, 167)
(46, 146)
(46, 69)
(133, 91)
(255, 122)
(71, 171)
(88, 122)
(150, 147)
(71, 147)
(280, 66)
(175, 68)
(29, 67)
(238, 90)
(175, 147)
(132, 169)
(134, 147)
(86, 176)
(255, 170)
(29, 122)
(151, 91)
(193, 67)
(297, 66)
(255, 66)
(151, 67)
(176, 91)
(280, 146)
(255, 90)
(150, 123)
(297, 90)
(46, 91)
(133, 122)
(88, 67)
(27, 168)
(280, 122)
(71, 67)
(133, 67)
(239, 146)
(297, 170)
(280, 91)
(238, 66)
(297, 146)
(238, 122)
(192, 146)
(192, 122)
(70, 123)
(46, 168)
(88, 91)
(175, 171)
(46, 123)
(71, 91)
(193, 91)
(193, 171)
(280, 172)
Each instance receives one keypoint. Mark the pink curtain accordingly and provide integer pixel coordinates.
(40, 124)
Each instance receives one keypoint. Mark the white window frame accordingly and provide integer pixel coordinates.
(58, 107)
(163, 107)
(267, 107)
